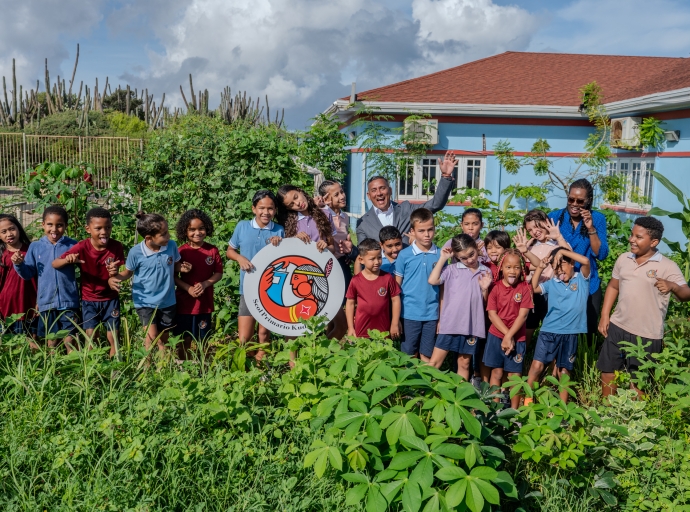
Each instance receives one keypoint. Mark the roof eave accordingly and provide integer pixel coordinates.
(669, 100)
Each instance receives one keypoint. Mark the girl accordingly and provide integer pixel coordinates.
(546, 236)
(17, 296)
(194, 294)
(303, 219)
(585, 231)
(508, 305)
(471, 223)
(249, 238)
(466, 289)
(154, 263)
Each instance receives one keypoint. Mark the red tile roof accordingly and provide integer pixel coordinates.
(524, 78)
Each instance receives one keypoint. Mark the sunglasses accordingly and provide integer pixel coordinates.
(575, 200)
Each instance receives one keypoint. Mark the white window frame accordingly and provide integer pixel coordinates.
(427, 167)
(639, 180)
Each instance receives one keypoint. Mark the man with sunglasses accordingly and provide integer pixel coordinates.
(586, 233)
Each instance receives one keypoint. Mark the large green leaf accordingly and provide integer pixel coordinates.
(411, 497)
(474, 497)
(670, 187)
(456, 493)
(404, 460)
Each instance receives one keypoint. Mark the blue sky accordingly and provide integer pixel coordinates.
(304, 53)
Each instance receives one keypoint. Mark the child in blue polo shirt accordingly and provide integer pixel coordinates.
(420, 299)
(249, 237)
(153, 263)
(566, 317)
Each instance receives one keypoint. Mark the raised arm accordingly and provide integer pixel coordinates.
(596, 230)
(435, 276)
(444, 186)
(536, 287)
(579, 258)
(25, 266)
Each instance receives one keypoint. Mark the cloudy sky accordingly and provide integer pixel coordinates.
(305, 53)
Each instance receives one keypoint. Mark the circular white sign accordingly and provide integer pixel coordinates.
(291, 282)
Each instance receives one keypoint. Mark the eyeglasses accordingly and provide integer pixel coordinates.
(575, 200)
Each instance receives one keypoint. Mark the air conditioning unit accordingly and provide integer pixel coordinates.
(625, 132)
(422, 130)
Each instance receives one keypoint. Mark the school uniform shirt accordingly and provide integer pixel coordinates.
(541, 250)
(16, 294)
(153, 284)
(57, 287)
(641, 308)
(373, 300)
(567, 311)
(249, 239)
(507, 301)
(340, 221)
(419, 298)
(94, 273)
(205, 262)
(388, 266)
(463, 303)
(307, 224)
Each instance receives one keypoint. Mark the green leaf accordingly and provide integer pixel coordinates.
(484, 472)
(343, 420)
(488, 491)
(382, 393)
(335, 458)
(453, 418)
(456, 493)
(356, 495)
(452, 451)
(474, 498)
(411, 497)
(471, 423)
(404, 460)
(375, 500)
(423, 474)
(670, 186)
(321, 463)
(504, 481)
(471, 455)
(355, 478)
(307, 388)
(450, 473)
(414, 443)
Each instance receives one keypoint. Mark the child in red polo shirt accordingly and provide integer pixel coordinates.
(195, 288)
(17, 296)
(99, 258)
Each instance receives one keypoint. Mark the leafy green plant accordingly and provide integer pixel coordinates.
(651, 133)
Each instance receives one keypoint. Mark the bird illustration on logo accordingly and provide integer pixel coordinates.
(294, 288)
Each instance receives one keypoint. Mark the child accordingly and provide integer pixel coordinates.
(471, 223)
(194, 293)
(420, 299)
(153, 263)
(391, 244)
(495, 242)
(58, 296)
(17, 296)
(99, 257)
(249, 238)
(375, 294)
(546, 236)
(641, 281)
(466, 288)
(509, 302)
(566, 292)
(302, 218)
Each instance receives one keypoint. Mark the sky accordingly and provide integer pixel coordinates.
(304, 54)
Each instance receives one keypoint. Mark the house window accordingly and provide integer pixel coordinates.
(637, 187)
(419, 181)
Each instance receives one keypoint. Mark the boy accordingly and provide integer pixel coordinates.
(420, 299)
(99, 258)
(566, 317)
(391, 243)
(641, 281)
(58, 297)
(376, 295)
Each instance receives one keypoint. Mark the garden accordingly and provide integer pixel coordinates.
(354, 426)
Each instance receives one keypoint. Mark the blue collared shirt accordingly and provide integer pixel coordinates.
(153, 284)
(581, 244)
(567, 312)
(419, 298)
(249, 238)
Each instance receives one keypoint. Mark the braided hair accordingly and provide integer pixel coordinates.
(288, 218)
(585, 185)
(515, 252)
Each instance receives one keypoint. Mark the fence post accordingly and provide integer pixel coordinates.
(24, 149)
(80, 158)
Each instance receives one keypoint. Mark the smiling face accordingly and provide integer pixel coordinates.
(512, 269)
(641, 242)
(9, 233)
(495, 251)
(379, 193)
(577, 201)
(296, 201)
(100, 230)
(392, 248)
(469, 257)
(196, 232)
(54, 227)
(160, 239)
(264, 211)
(471, 225)
(424, 233)
(564, 270)
(536, 231)
(335, 197)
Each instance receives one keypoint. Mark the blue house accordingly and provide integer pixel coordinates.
(521, 97)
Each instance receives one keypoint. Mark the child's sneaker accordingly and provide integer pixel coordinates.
(476, 382)
(505, 400)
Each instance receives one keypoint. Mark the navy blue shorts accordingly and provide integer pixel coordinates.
(494, 357)
(457, 343)
(163, 318)
(198, 326)
(561, 347)
(55, 320)
(22, 327)
(418, 337)
(106, 312)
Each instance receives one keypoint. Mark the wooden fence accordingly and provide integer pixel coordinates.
(19, 152)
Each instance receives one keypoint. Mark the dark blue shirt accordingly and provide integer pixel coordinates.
(581, 244)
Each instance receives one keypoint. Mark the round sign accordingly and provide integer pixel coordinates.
(291, 282)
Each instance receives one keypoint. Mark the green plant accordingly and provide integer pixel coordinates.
(323, 147)
(527, 193)
(651, 133)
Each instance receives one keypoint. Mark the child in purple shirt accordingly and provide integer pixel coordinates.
(466, 289)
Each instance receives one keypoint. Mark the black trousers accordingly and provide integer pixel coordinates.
(593, 311)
